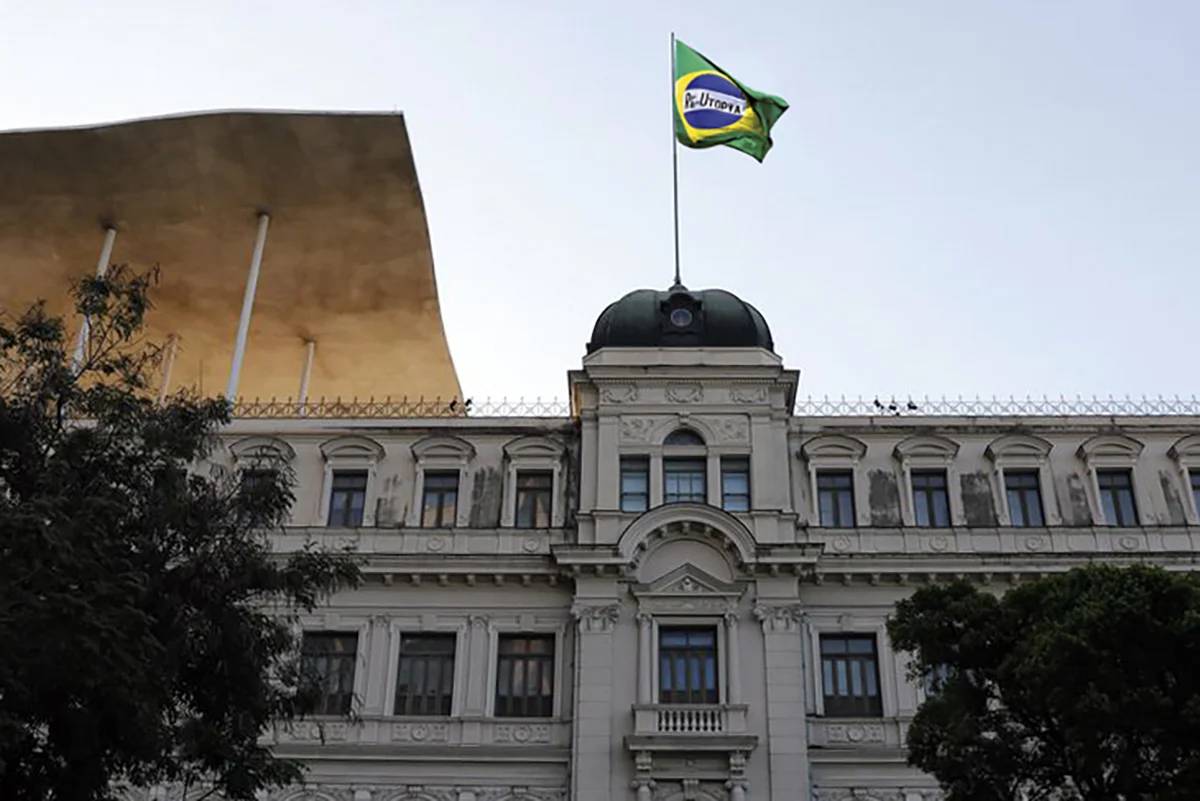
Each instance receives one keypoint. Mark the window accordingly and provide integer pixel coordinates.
(1024, 498)
(1116, 496)
(525, 676)
(685, 480)
(835, 498)
(684, 436)
(439, 506)
(1195, 474)
(327, 660)
(687, 666)
(535, 493)
(735, 484)
(931, 501)
(425, 684)
(850, 676)
(253, 479)
(347, 497)
(635, 484)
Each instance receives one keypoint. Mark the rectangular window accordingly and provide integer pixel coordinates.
(347, 497)
(253, 479)
(931, 501)
(687, 666)
(735, 484)
(635, 484)
(425, 683)
(327, 659)
(850, 676)
(1024, 498)
(1116, 496)
(535, 496)
(835, 498)
(685, 480)
(525, 676)
(439, 504)
(1195, 474)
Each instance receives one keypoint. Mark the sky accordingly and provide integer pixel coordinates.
(985, 198)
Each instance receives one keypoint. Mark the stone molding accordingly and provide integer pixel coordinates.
(779, 619)
(596, 619)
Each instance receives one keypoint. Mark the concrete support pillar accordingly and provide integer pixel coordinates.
(239, 345)
(787, 737)
(592, 773)
(110, 237)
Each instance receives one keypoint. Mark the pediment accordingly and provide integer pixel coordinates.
(688, 581)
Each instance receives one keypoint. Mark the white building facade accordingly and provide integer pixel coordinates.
(677, 590)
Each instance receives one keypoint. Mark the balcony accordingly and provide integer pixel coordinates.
(690, 727)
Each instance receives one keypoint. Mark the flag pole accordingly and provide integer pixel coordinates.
(675, 163)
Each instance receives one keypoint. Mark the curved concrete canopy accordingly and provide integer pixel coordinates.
(347, 262)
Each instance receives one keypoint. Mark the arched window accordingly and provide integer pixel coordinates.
(684, 436)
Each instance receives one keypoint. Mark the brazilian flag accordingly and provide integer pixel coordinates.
(712, 108)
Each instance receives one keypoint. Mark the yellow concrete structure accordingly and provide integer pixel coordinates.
(346, 260)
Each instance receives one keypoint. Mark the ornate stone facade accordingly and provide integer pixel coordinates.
(750, 579)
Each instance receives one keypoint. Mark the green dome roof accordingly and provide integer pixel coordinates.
(679, 318)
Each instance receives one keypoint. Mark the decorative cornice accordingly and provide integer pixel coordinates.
(598, 619)
(779, 619)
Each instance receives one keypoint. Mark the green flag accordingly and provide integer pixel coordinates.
(712, 108)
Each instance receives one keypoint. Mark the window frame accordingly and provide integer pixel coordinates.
(744, 461)
(877, 654)
(1025, 453)
(1125, 473)
(429, 624)
(670, 460)
(643, 463)
(716, 654)
(1114, 452)
(442, 492)
(533, 454)
(347, 453)
(835, 452)
(528, 625)
(441, 453)
(929, 492)
(839, 472)
(1023, 493)
(847, 623)
(555, 659)
(456, 657)
(333, 488)
(929, 452)
(332, 624)
(520, 491)
(662, 618)
(1186, 454)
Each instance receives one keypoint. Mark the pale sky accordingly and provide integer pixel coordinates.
(967, 197)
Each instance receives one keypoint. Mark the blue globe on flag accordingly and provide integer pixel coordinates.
(711, 101)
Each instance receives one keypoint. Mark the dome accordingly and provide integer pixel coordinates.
(679, 318)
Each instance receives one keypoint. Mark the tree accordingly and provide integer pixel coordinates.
(144, 631)
(1083, 686)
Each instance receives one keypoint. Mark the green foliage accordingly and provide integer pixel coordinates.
(144, 620)
(1084, 685)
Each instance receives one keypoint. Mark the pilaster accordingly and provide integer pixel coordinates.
(787, 747)
(591, 771)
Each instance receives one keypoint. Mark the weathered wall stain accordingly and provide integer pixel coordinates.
(1175, 513)
(1077, 512)
(571, 481)
(883, 497)
(979, 506)
(389, 508)
(487, 496)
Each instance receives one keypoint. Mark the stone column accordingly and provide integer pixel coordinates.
(645, 658)
(592, 772)
(787, 737)
(733, 672)
(477, 671)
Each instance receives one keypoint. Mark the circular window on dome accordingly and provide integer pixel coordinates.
(681, 318)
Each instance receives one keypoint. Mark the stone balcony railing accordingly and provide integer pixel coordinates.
(689, 719)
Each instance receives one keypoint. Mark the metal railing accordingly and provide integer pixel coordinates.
(437, 408)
